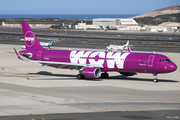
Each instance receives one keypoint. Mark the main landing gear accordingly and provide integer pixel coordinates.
(104, 75)
(80, 76)
(155, 78)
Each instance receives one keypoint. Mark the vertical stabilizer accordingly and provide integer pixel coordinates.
(50, 43)
(127, 45)
(31, 42)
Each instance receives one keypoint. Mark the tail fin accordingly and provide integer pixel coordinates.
(31, 42)
(50, 43)
(127, 45)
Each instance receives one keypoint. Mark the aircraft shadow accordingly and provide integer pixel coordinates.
(65, 76)
(121, 77)
(50, 74)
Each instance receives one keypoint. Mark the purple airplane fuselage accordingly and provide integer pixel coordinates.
(132, 62)
(92, 63)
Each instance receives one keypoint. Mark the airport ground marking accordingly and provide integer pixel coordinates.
(17, 76)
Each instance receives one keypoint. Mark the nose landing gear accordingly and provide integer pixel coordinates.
(155, 78)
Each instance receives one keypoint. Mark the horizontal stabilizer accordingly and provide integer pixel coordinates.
(17, 54)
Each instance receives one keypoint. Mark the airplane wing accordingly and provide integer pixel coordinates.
(43, 44)
(72, 65)
(55, 44)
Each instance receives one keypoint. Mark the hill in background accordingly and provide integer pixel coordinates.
(163, 11)
(158, 19)
(168, 14)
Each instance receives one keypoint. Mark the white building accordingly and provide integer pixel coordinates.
(172, 25)
(120, 24)
(164, 27)
(67, 25)
(128, 24)
(32, 25)
(105, 22)
(84, 26)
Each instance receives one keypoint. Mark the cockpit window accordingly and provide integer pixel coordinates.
(164, 60)
(168, 60)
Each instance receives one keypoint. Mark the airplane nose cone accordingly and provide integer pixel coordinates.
(172, 67)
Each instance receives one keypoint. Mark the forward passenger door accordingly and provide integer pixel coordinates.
(150, 60)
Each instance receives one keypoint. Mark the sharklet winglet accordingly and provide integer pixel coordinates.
(129, 49)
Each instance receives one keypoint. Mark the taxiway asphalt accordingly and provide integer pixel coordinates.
(94, 38)
(31, 91)
(98, 32)
(99, 46)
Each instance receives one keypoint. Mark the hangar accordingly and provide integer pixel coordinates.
(116, 23)
(113, 22)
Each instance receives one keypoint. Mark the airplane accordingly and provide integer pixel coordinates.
(160, 30)
(118, 47)
(94, 64)
(43, 44)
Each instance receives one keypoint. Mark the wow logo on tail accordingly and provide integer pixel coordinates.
(29, 38)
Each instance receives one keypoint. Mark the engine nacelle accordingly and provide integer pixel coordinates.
(128, 73)
(92, 72)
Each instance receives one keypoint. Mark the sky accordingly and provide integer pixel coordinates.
(83, 6)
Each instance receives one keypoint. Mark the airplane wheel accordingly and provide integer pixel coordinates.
(155, 80)
(80, 76)
(104, 75)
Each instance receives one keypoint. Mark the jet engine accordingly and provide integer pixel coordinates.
(92, 72)
(128, 73)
